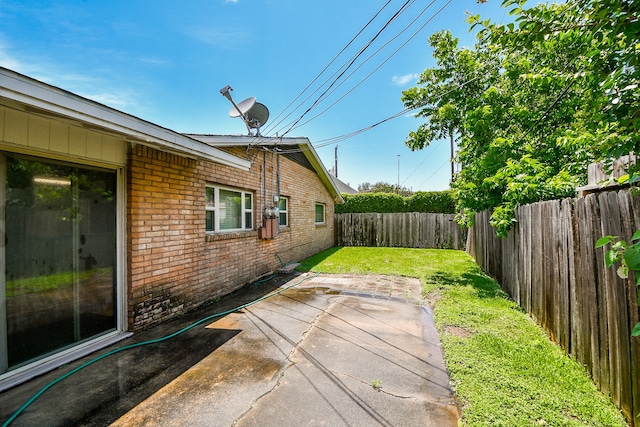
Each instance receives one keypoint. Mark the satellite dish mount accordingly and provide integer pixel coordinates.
(252, 113)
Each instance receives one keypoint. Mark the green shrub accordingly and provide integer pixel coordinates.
(431, 201)
(422, 201)
(371, 202)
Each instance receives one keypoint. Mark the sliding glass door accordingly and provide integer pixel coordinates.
(59, 257)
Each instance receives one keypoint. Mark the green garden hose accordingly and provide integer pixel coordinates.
(154, 341)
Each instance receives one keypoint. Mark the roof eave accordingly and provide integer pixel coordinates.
(260, 141)
(325, 177)
(47, 98)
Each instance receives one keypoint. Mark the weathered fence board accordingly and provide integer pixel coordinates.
(566, 270)
(407, 230)
(550, 266)
(599, 289)
(634, 207)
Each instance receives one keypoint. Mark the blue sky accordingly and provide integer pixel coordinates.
(166, 61)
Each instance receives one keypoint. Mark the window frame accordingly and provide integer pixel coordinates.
(324, 213)
(284, 211)
(246, 214)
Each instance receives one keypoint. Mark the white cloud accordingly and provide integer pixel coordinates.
(220, 38)
(80, 84)
(7, 61)
(231, 1)
(406, 79)
(120, 101)
(154, 61)
(10, 63)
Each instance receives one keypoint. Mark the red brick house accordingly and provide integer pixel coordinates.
(113, 224)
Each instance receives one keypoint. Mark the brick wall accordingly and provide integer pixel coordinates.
(174, 265)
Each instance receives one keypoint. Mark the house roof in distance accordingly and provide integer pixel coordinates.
(343, 186)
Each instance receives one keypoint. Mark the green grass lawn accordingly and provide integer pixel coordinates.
(50, 282)
(504, 369)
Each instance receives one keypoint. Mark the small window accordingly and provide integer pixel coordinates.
(248, 211)
(211, 208)
(228, 209)
(283, 206)
(319, 213)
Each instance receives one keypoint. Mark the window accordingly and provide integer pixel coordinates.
(283, 206)
(228, 209)
(319, 213)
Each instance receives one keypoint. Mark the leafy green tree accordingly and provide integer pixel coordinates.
(609, 61)
(628, 254)
(447, 91)
(550, 93)
(383, 187)
(592, 64)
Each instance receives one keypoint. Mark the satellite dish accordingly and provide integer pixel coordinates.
(257, 115)
(242, 107)
(252, 113)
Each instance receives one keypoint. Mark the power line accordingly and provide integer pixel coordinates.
(326, 67)
(381, 64)
(333, 140)
(351, 62)
(328, 141)
(424, 160)
(433, 174)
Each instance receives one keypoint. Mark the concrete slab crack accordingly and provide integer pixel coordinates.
(312, 324)
(294, 347)
(375, 387)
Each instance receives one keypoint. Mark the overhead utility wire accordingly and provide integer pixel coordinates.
(429, 154)
(432, 175)
(258, 139)
(381, 64)
(343, 137)
(360, 52)
(328, 94)
(323, 70)
(339, 138)
(333, 140)
(329, 141)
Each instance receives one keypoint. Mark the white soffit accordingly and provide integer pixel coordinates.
(58, 102)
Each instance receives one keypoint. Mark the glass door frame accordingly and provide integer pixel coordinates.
(16, 376)
(4, 359)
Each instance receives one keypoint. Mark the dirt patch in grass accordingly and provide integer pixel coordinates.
(457, 331)
(432, 298)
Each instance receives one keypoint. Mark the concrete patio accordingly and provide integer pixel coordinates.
(335, 350)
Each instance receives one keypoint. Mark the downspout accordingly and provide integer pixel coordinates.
(278, 189)
(264, 186)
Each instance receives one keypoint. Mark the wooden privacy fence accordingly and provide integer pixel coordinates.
(406, 230)
(549, 266)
